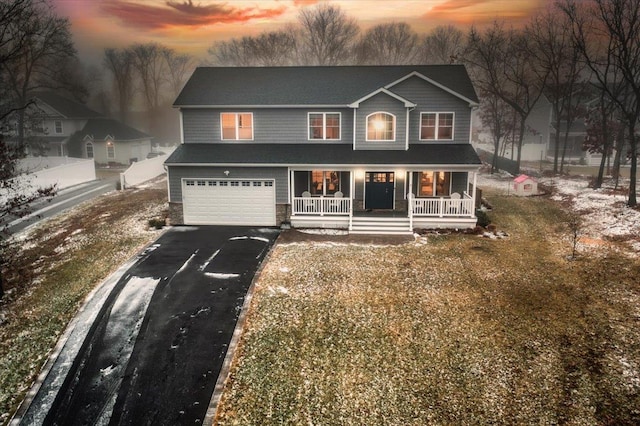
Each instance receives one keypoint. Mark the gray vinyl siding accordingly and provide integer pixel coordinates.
(277, 125)
(177, 173)
(381, 103)
(430, 98)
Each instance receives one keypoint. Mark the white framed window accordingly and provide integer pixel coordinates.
(89, 149)
(111, 150)
(236, 125)
(436, 126)
(324, 125)
(57, 125)
(434, 184)
(324, 182)
(381, 126)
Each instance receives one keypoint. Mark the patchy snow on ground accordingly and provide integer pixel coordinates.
(324, 231)
(604, 212)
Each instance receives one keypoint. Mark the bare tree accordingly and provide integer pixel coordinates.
(388, 44)
(151, 68)
(40, 47)
(119, 62)
(274, 48)
(497, 116)
(443, 45)
(607, 34)
(556, 54)
(179, 66)
(502, 65)
(327, 35)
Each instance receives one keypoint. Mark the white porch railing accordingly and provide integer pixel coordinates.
(442, 207)
(321, 205)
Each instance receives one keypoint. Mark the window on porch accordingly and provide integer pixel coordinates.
(434, 184)
(324, 182)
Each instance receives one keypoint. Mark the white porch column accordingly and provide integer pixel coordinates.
(473, 196)
(291, 190)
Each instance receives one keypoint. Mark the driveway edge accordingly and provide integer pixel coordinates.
(212, 411)
(74, 334)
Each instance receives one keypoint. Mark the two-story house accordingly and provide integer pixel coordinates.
(57, 120)
(365, 148)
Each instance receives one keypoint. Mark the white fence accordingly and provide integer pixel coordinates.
(442, 207)
(142, 171)
(40, 172)
(321, 205)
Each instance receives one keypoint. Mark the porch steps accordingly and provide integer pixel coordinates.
(380, 225)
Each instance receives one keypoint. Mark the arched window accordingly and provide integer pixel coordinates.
(381, 126)
(89, 148)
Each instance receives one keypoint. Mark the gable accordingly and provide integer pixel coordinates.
(426, 94)
(383, 92)
(454, 91)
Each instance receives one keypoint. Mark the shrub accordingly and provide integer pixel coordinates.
(157, 223)
(483, 218)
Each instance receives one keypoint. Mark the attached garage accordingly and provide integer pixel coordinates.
(229, 202)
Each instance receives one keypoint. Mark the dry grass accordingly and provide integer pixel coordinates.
(58, 264)
(462, 330)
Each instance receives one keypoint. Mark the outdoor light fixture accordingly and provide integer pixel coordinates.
(226, 172)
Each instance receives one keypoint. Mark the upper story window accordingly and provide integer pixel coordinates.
(436, 126)
(237, 125)
(381, 126)
(324, 125)
(58, 126)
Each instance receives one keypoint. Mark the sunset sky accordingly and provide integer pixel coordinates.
(193, 25)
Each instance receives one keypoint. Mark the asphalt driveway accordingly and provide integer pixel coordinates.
(157, 344)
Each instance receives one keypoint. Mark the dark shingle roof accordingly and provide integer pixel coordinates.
(333, 154)
(67, 107)
(100, 128)
(339, 85)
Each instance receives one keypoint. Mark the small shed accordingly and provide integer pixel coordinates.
(525, 185)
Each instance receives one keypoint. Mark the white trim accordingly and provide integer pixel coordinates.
(181, 127)
(300, 106)
(407, 103)
(237, 128)
(355, 115)
(86, 152)
(406, 144)
(435, 83)
(366, 130)
(437, 113)
(113, 145)
(336, 166)
(55, 130)
(324, 125)
(169, 185)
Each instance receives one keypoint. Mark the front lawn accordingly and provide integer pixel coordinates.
(460, 330)
(59, 263)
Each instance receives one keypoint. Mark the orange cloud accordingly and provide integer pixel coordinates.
(304, 2)
(467, 11)
(183, 14)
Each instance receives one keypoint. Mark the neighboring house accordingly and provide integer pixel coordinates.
(106, 140)
(369, 149)
(61, 118)
(109, 141)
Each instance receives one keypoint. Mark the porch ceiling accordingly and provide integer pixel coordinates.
(428, 155)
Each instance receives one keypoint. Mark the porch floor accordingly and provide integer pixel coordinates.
(381, 213)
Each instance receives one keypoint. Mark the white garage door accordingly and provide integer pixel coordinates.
(229, 202)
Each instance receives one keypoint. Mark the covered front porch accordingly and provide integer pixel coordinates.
(378, 198)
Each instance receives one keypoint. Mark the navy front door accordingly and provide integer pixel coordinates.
(379, 190)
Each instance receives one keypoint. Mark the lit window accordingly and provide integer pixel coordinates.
(324, 182)
(237, 126)
(434, 184)
(381, 127)
(111, 151)
(324, 125)
(436, 126)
